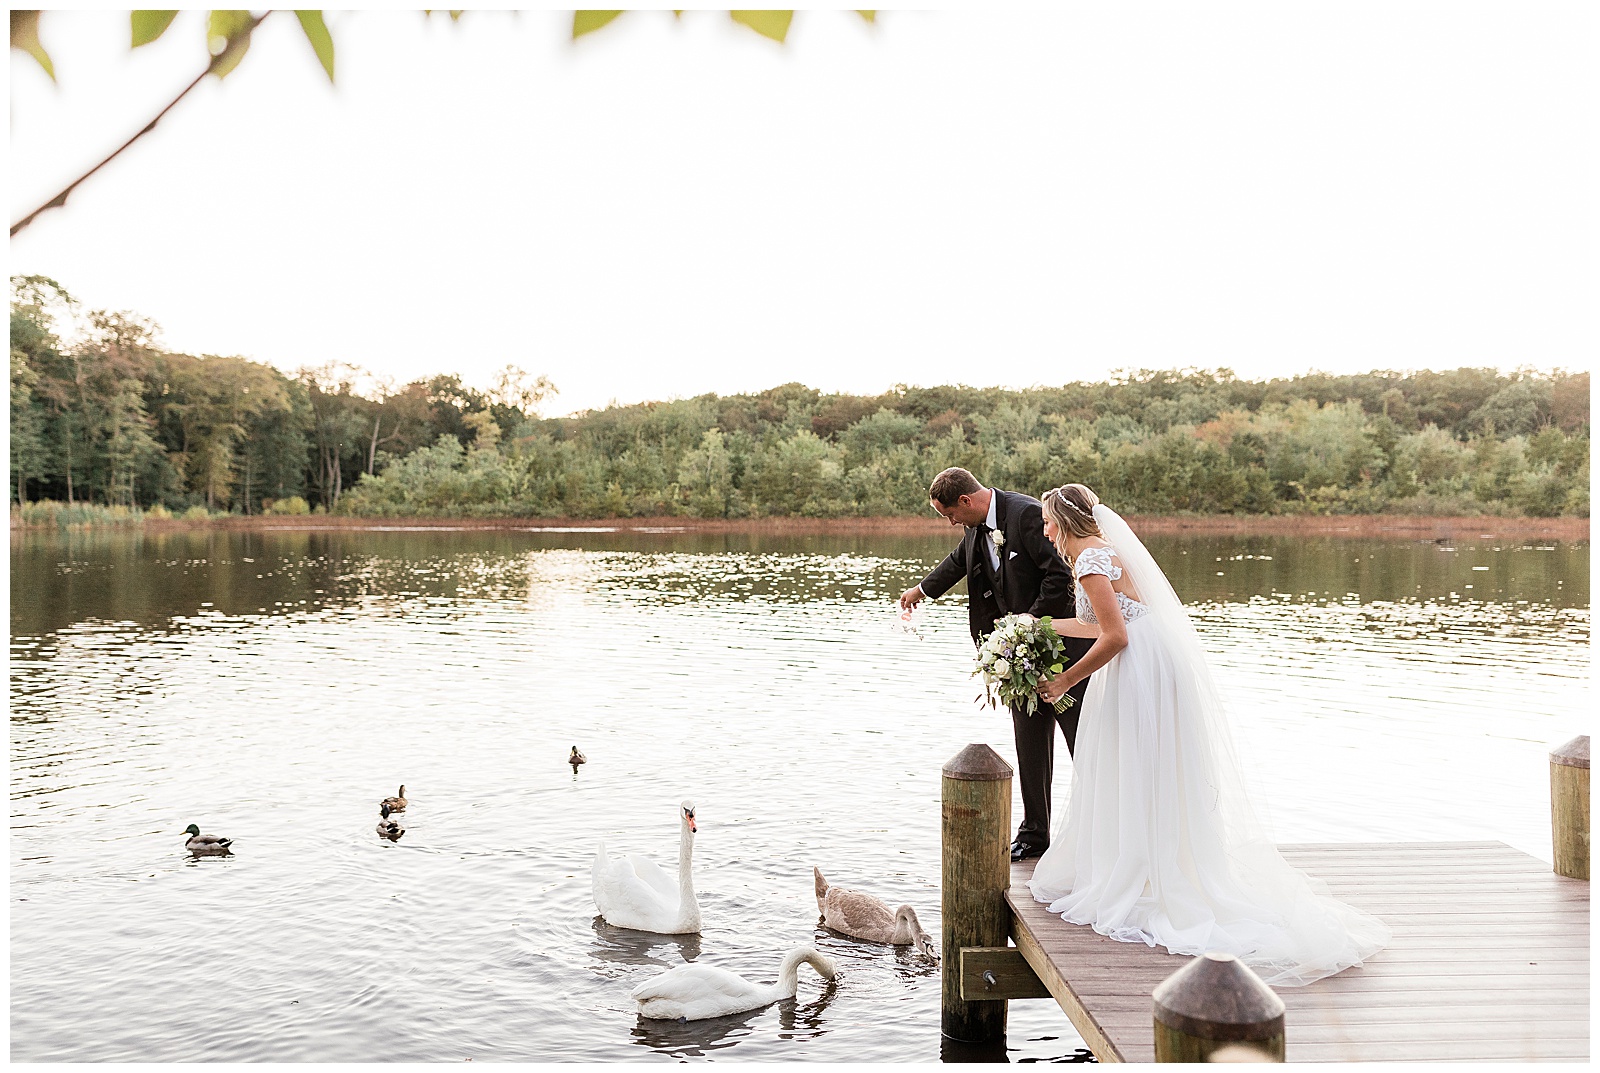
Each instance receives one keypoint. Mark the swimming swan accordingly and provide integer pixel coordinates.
(635, 892)
(858, 914)
(695, 992)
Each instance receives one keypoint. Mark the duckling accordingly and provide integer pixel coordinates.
(396, 803)
(577, 758)
(203, 844)
(388, 828)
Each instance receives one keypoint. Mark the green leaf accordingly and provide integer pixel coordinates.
(228, 39)
(321, 41)
(773, 24)
(25, 35)
(587, 22)
(870, 16)
(149, 25)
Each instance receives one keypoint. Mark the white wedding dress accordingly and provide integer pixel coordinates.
(1159, 843)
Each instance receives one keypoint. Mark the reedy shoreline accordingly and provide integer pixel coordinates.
(1402, 526)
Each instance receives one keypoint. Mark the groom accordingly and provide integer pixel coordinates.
(1010, 568)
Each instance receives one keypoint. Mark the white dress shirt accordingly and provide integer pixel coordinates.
(988, 539)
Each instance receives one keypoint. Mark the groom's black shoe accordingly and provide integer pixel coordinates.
(1021, 851)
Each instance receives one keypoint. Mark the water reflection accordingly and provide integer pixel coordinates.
(907, 960)
(623, 946)
(956, 1050)
(803, 1020)
(191, 579)
(694, 1039)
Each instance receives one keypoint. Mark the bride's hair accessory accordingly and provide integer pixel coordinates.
(1071, 507)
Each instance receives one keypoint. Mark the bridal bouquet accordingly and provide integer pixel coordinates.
(1016, 658)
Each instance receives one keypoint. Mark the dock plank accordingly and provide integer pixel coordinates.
(1490, 961)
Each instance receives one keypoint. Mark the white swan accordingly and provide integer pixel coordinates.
(695, 992)
(635, 892)
(858, 914)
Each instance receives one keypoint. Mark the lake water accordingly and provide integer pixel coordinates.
(272, 687)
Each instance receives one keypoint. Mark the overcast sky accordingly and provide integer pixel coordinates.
(669, 207)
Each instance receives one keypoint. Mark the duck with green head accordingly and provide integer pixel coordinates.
(203, 844)
(388, 828)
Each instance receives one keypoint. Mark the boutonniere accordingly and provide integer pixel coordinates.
(999, 538)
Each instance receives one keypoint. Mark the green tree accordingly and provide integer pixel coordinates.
(339, 421)
(211, 406)
(800, 474)
(705, 477)
(27, 424)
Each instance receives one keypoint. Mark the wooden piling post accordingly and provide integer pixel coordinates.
(1211, 1003)
(1569, 807)
(976, 832)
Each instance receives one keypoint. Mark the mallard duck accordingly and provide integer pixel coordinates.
(695, 992)
(201, 844)
(637, 893)
(388, 828)
(396, 803)
(861, 916)
(576, 757)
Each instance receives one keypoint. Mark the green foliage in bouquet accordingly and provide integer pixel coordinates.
(1016, 658)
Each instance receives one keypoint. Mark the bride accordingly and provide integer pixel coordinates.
(1159, 844)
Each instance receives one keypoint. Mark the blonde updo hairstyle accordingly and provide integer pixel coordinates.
(1071, 507)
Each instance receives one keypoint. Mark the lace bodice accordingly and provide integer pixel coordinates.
(1099, 561)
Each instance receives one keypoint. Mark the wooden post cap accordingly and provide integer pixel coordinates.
(1574, 753)
(977, 763)
(1218, 997)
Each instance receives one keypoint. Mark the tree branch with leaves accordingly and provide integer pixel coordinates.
(227, 39)
(228, 36)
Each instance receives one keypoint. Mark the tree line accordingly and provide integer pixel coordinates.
(113, 418)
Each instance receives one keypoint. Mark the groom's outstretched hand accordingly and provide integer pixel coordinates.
(911, 598)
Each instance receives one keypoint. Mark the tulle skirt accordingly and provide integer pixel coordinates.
(1145, 852)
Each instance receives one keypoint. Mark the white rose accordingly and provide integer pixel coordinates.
(999, 538)
(1002, 667)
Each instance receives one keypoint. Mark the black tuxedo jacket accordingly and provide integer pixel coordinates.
(1032, 577)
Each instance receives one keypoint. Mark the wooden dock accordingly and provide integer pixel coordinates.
(1490, 962)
